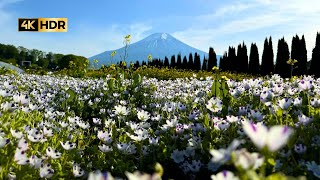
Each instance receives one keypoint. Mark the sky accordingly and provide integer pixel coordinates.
(100, 25)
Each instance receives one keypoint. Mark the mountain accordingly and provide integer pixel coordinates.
(158, 45)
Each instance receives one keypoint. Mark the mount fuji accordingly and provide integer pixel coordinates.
(159, 45)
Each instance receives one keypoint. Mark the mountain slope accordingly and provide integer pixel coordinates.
(158, 45)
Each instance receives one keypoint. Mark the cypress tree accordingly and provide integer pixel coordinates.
(212, 59)
(197, 62)
(271, 55)
(190, 63)
(179, 62)
(137, 64)
(185, 63)
(204, 64)
(245, 63)
(303, 57)
(254, 66)
(239, 59)
(223, 62)
(173, 61)
(166, 62)
(231, 59)
(315, 61)
(282, 68)
(295, 51)
(267, 65)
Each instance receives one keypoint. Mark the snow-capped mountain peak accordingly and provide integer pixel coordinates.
(164, 36)
(159, 45)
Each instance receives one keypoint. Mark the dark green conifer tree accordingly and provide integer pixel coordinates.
(254, 65)
(315, 61)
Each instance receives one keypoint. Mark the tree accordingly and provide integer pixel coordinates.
(254, 66)
(204, 64)
(223, 62)
(302, 64)
(244, 59)
(185, 63)
(299, 53)
(267, 65)
(166, 62)
(73, 61)
(137, 64)
(231, 60)
(190, 62)
(212, 59)
(179, 62)
(197, 62)
(315, 61)
(282, 67)
(173, 61)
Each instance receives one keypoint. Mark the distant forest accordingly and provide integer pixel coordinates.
(232, 60)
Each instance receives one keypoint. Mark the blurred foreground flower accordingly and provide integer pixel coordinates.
(224, 175)
(274, 138)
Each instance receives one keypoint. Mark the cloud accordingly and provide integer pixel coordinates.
(253, 21)
(5, 16)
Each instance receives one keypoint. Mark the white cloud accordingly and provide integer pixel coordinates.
(262, 18)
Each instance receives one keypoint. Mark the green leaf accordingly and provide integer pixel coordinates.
(111, 83)
(271, 161)
(72, 94)
(137, 80)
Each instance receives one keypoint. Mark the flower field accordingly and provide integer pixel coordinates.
(144, 128)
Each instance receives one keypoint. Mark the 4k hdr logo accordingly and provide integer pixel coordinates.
(43, 24)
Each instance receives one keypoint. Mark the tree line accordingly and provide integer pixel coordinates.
(237, 60)
(233, 60)
(39, 59)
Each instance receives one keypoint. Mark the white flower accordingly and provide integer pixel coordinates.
(97, 175)
(222, 156)
(305, 85)
(3, 141)
(35, 161)
(121, 110)
(247, 160)
(77, 170)
(300, 148)
(153, 141)
(68, 145)
(47, 132)
(105, 136)
(257, 115)
(63, 124)
(143, 115)
(141, 176)
(46, 171)
(232, 119)
(214, 105)
(23, 144)
(224, 175)
(105, 148)
(96, 120)
(34, 135)
(15, 133)
(284, 103)
(20, 157)
(297, 101)
(274, 138)
(22, 99)
(304, 120)
(53, 153)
